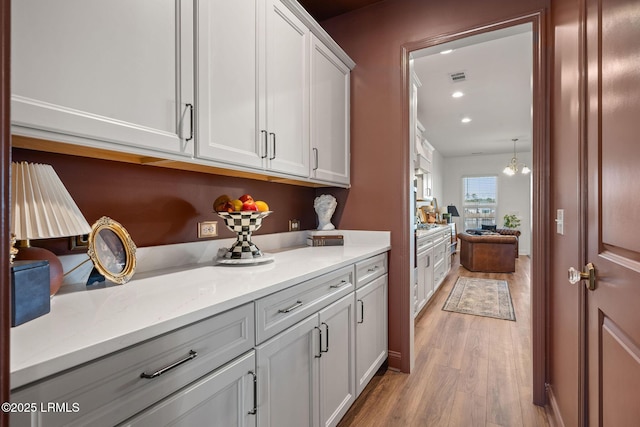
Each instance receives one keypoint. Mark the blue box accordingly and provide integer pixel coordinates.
(29, 291)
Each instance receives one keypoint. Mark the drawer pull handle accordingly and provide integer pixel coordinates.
(192, 355)
(339, 285)
(254, 410)
(298, 304)
(326, 350)
(361, 311)
(319, 355)
(371, 270)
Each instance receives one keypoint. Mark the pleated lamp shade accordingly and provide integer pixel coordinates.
(42, 208)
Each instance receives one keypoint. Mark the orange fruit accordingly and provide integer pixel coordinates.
(262, 206)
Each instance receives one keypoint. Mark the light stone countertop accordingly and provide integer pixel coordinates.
(87, 323)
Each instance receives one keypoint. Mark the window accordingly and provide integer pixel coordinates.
(479, 201)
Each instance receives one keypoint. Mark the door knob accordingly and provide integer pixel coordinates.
(590, 275)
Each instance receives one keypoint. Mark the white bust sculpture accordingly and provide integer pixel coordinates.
(325, 206)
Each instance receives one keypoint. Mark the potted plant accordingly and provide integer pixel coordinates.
(511, 221)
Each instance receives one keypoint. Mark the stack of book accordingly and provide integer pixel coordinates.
(326, 240)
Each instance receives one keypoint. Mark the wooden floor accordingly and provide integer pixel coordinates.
(469, 370)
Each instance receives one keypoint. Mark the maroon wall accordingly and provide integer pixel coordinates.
(161, 206)
(378, 200)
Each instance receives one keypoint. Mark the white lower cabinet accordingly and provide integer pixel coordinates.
(296, 357)
(432, 265)
(371, 330)
(114, 388)
(225, 398)
(306, 373)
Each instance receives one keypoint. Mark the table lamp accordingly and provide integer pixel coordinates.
(42, 208)
(453, 211)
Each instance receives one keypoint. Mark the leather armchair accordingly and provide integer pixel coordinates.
(492, 253)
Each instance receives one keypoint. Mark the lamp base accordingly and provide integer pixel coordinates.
(56, 274)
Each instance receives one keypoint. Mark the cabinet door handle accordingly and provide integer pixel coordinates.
(192, 355)
(315, 152)
(298, 304)
(339, 285)
(266, 148)
(190, 107)
(428, 260)
(372, 269)
(273, 139)
(361, 311)
(326, 340)
(254, 410)
(319, 355)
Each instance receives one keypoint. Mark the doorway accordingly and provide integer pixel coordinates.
(533, 25)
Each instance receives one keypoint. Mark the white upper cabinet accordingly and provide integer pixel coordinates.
(229, 94)
(287, 90)
(253, 86)
(101, 73)
(329, 115)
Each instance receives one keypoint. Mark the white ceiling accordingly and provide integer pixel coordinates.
(497, 93)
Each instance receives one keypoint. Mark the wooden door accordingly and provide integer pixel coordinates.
(613, 202)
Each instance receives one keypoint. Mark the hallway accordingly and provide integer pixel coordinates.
(469, 370)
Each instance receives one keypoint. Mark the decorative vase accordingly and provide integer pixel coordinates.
(243, 224)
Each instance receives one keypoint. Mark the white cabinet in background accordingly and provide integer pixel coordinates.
(432, 265)
(253, 86)
(225, 398)
(330, 148)
(115, 75)
(371, 330)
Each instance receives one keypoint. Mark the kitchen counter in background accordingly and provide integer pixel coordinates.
(174, 285)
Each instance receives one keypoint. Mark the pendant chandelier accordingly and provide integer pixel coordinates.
(514, 166)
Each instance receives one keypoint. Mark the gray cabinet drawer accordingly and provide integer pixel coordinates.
(111, 389)
(370, 269)
(278, 311)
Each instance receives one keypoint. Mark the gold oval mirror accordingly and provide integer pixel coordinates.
(112, 251)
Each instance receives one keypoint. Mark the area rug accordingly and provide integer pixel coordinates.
(481, 297)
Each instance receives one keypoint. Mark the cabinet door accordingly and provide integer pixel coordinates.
(329, 115)
(228, 105)
(371, 330)
(337, 363)
(288, 377)
(287, 90)
(423, 259)
(96, 73)
(224, 398)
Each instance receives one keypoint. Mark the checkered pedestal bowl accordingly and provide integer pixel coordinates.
(243, 224)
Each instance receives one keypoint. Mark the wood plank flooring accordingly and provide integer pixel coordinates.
(469, 370)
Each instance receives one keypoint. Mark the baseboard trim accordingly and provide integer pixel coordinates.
(553, 410)
(395, 360)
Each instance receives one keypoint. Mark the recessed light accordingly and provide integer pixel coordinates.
(457, 94)
(465, 120)
(444, 52)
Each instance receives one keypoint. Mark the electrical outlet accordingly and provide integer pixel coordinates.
(294, 225)
(207, 229)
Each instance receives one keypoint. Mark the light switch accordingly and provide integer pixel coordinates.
(560, 221)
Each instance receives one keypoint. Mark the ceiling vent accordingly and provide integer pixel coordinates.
(460, 76)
